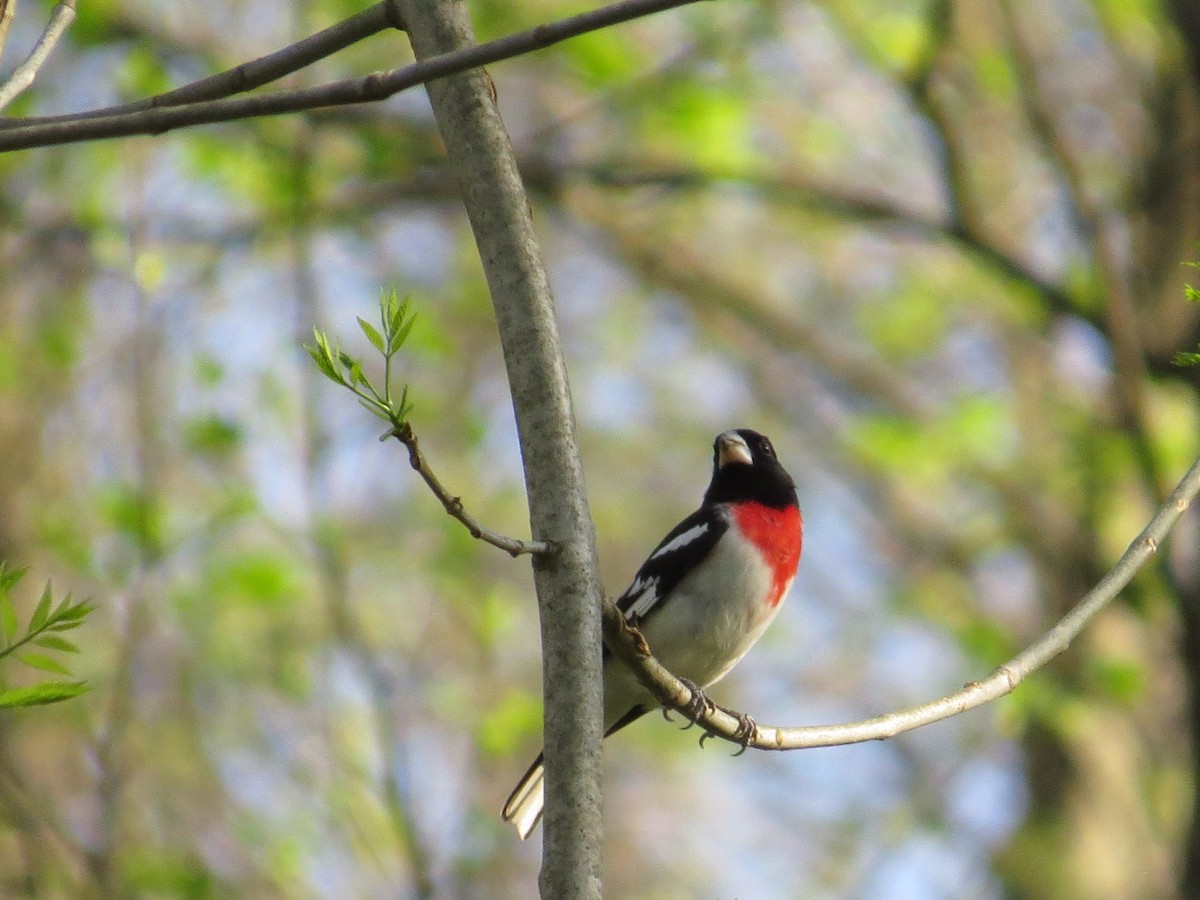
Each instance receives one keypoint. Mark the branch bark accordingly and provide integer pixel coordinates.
(369, 88)
(568, 587)
(454, 505)
(252, 74)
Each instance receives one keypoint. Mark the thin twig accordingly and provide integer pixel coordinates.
(454, 505)
(8, 9)
(115, 756)
(253, 74)
(369, 88)
(627, 644)
(22, 77)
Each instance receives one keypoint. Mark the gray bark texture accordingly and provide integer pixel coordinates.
(568, 587)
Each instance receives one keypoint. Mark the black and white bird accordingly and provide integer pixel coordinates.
(705, 594)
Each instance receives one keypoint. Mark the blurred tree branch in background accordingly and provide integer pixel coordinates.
(206, 102)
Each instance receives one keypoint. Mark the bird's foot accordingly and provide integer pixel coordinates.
(699, 703)
(745, 734)
(747, 730)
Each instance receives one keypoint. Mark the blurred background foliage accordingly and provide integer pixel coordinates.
(932, 248)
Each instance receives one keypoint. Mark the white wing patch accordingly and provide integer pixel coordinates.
(644, 592)
(681, 540)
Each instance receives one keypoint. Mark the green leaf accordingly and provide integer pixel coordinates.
(10, 577)
(401, 334)
(44, 662)
(602, 59)
(374, 409)
(404, 408)
(257, 578)
(62, 607)
(328, 352)
(132, 512)
(42, 611)
(322, 355)
(396, 320)
(40, 694)
(209, 371)
(319, 360)
(516, 716)
(900, 39)
(912, 322)
(391, 310)
(66, 625)
(69, 616)
(142, 73)
(52, 642)
(372, 334)
(986, 641)
(211, 435)
(8, 618)
(78, 611)
(1123, 680)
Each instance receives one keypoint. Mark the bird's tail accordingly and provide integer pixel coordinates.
(524, 805)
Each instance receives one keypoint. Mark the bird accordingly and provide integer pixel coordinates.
(704, 595)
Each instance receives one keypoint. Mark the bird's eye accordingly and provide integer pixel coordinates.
(766, 449)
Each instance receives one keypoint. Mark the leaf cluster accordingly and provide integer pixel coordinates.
(38, 643)
(1187, 357)
(343, 369)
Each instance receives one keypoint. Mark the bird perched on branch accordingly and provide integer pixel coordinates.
(705, 594)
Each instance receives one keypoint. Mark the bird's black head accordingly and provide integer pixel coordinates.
(745, 468)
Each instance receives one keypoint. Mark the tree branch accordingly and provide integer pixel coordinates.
(22, 77)
(369, 88)
(567, 582)
(627, 644)
(249, 75)
(7, 9)
(454, 505)
(801, 191)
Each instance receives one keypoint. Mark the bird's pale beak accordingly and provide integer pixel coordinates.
(732, 448)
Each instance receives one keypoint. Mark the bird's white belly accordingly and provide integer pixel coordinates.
(706, 626)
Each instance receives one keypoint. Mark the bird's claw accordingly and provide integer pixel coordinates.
(745, 734)
(747, 731)
(698, 704)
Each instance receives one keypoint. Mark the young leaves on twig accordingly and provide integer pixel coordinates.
(341, 368)
(1187, 357)
(39, 643)
(346, 370)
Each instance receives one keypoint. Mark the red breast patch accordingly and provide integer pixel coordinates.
(778, 533)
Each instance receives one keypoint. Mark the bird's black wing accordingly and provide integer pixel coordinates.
(684, 547)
